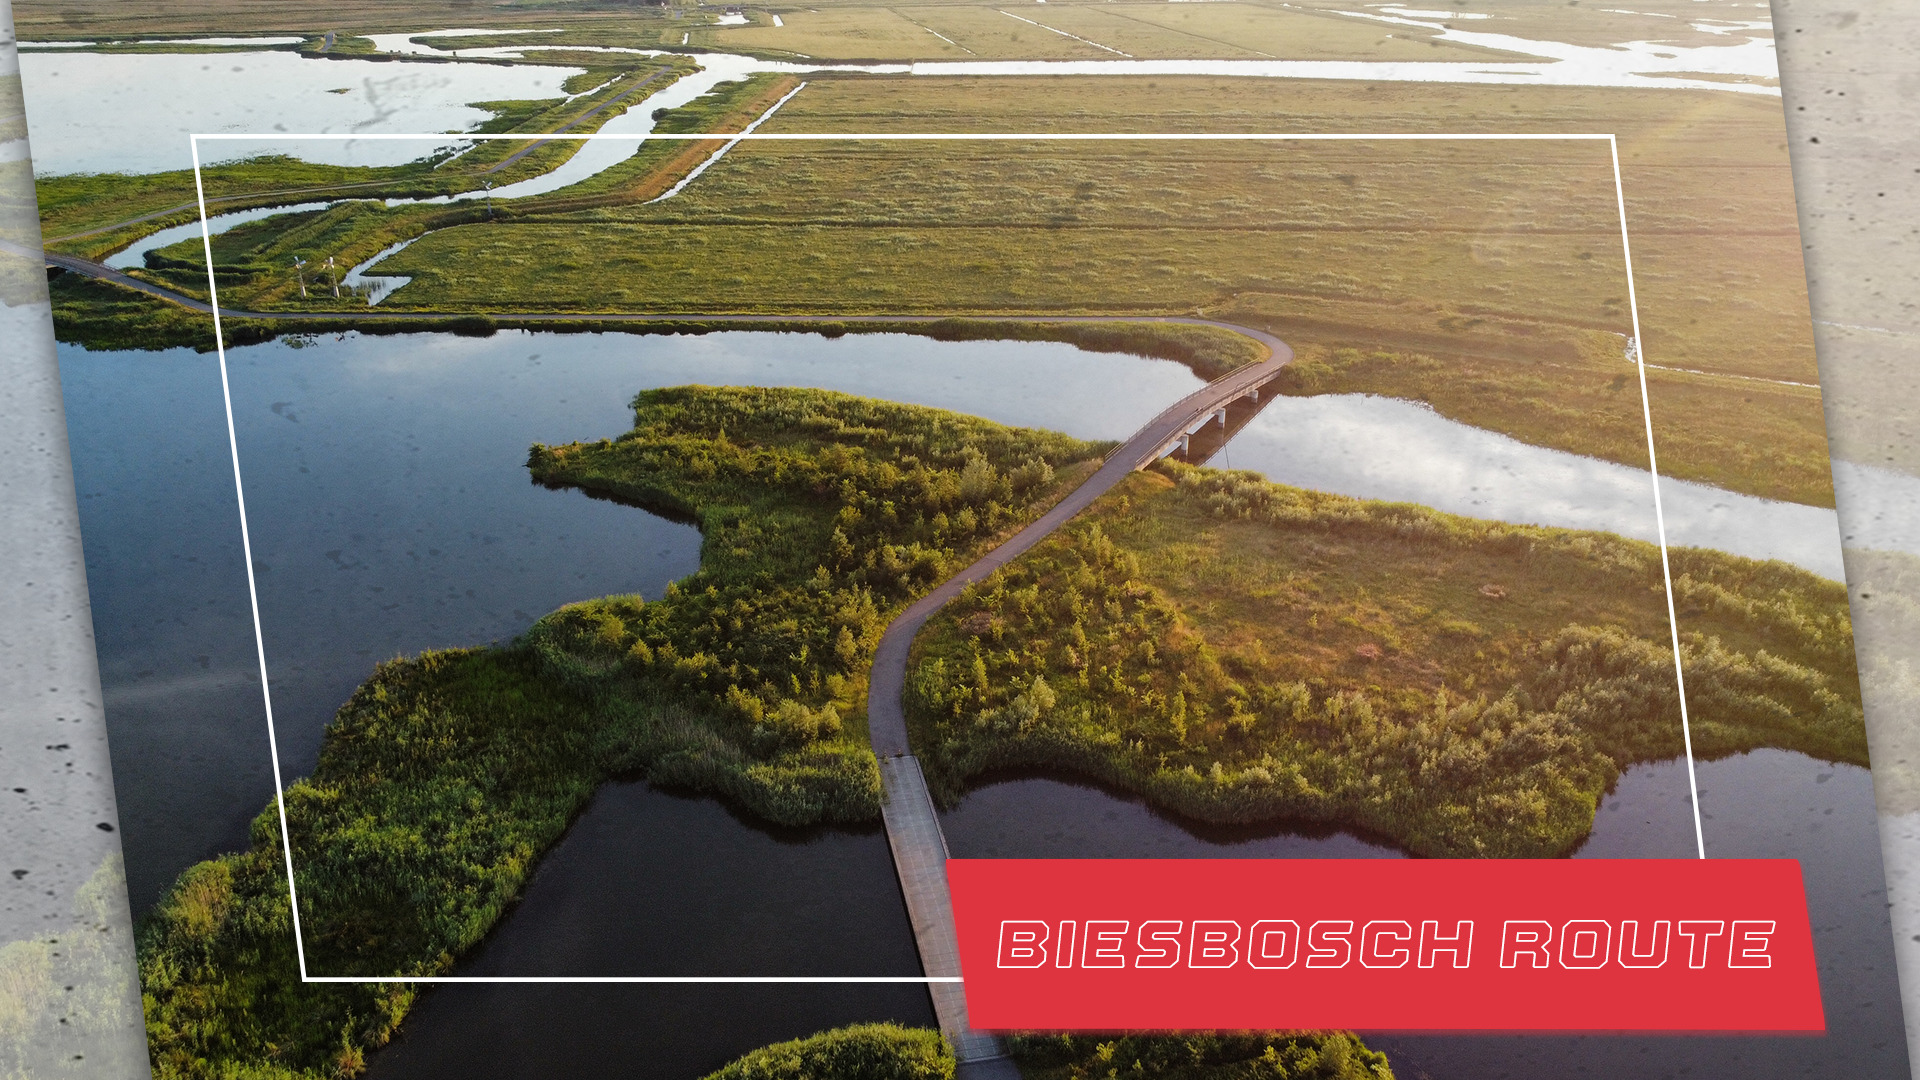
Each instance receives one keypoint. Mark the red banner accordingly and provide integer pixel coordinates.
(1718, 945)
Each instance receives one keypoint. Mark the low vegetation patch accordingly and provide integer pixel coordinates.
(1240, 651)
(860, 1052)
(1252, 1055)
(102, 315)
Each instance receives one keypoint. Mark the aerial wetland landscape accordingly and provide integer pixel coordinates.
(641, 526)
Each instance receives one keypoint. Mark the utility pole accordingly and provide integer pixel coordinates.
(489, 200)
(298, 267)
(336, 277)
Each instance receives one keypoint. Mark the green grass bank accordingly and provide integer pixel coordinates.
(445, 777)
(1239, 651)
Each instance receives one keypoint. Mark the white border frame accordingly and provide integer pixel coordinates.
(246, 543)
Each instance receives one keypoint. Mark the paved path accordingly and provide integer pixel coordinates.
(913, 828)
(220, 200)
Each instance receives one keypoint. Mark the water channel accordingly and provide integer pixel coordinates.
(100, 112)
(391, 513)
(123, 112)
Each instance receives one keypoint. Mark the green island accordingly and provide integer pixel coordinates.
(1240, 651)
(1233, 649)
(856, 1052)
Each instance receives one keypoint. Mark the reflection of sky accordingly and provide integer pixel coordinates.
(388, 495)
(1024, 383)
(1383, 448)
(132, 112)
(1882, 507)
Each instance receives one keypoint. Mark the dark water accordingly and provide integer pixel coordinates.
(390, 513)
(1766, 804)
(1043, 816)
(654, 883)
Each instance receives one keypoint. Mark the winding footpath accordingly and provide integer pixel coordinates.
(913, 827)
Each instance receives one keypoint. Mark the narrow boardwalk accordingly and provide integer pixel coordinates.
(913, 828)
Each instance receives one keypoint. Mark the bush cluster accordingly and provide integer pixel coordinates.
(446, 776)
(1076, 657)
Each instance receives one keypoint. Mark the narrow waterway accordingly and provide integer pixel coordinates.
(1334, 443)
(1765, 804)
(134, 255)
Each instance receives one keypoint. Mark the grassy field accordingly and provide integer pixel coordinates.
(1501, 260)
(862, 30)
(1235, 31)
(1239, 651)
(446, 775)
(254, 262)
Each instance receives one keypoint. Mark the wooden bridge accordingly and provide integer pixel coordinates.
(913, 827)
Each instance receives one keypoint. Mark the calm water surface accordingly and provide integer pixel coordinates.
(1386, 448)
(1766, 804)
(125, 112)
(391, 513)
